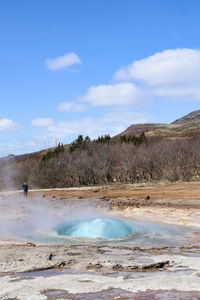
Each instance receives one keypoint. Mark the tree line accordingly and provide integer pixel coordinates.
(103, 161)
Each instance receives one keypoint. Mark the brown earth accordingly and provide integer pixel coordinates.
(172, 191)
(174, 203)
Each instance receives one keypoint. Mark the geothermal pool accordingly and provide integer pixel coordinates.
(81, 222)
(94, 228)
(112, 231)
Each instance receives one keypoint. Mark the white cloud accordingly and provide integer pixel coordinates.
(167, 67)
(112, 95)
(41, 141)
(112, 123)
(183, 93)
(42, 122)
(171, 73)
(127, 118)
(70, 106)
(65, 128)
(62, 62)
(9, 148)
(31, 143)
(7, 125)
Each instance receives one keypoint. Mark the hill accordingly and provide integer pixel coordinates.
(192, 117)
(162, 153)
(186, 127)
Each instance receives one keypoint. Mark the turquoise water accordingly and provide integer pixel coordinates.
(105, 228)
(110, 231)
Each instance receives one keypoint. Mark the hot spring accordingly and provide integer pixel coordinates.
(104, 228)
(110, 231)
(80, 222)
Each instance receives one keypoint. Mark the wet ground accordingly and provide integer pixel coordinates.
(99, 272)
(162, 263)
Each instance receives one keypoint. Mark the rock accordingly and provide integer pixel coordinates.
(117, 267)
(94, 266)
(159, 265)
(61, 264)
(147, 197)
(50, 256)
(53, 197)
(29, 244)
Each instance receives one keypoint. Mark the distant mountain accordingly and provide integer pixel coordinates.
(184, 128)
(31, 157)
(138, 128)
(192, 117)
(161, 138)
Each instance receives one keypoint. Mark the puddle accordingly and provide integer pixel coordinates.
(143, 260)
(116, 251)
(47, 273)
(109, 294)
(58, 257)
(113, 294)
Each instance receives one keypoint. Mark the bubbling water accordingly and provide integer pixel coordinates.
(105, 228)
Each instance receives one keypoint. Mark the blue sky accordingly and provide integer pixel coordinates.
(92, 67)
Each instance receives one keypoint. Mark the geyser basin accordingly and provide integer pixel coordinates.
(105, 228)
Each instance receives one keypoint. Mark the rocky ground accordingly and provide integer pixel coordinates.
(91, 272)
(29, 270)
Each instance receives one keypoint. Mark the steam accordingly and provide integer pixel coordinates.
(36, 219)
(10, 175)
(21, 217)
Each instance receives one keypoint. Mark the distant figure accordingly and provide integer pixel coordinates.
(25, 187)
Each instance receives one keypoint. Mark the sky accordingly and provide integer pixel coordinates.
(93, 67)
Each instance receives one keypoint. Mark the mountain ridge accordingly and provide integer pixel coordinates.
(183, 128)
(192, 117)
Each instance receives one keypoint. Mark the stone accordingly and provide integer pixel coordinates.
(29, 244)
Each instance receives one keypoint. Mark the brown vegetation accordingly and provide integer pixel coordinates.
(141, 153)
(97, 164)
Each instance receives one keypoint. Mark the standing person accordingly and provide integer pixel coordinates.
(25, 187)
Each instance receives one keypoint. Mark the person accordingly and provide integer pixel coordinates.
(25, 187)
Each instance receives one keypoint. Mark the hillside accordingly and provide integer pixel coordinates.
(172, 131)
(22, 158)
(163, 154)
(31, 157)
(184, 128)
(192, 117)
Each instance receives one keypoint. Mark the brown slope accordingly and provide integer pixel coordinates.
(186, 126)
(172, 131)
(192, 117)
(138, 128)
